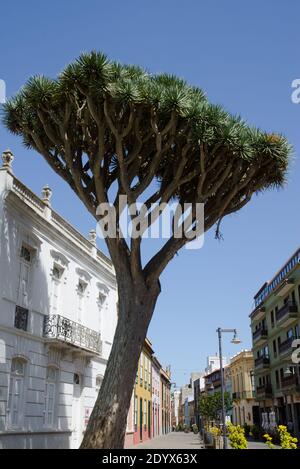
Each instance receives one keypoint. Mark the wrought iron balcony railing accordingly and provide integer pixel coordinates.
(57, 327)
(286, 346)
(287, 312)
(260, 334)
(265, 390)
(262, 361)
(290, 382)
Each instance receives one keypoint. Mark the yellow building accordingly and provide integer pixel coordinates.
(245, 408)
(142, 398)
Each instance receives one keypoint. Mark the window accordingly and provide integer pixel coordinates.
(99, 380)
(21, 318)
(293, 297)
(297, 331)
(135, 410)
(101, 298)
(25, 254)
(26, 258)
(146, 370)
(81, 289)
(265, 351)
(50, 396)
(76, 378)
(281, 373)
(16, 393)
(272, 318)
(145, 412)
(274, 348)
(290, 333)
(57, 273)
(277, 379)
(141, 371)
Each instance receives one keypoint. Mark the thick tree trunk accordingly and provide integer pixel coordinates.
(107, 423)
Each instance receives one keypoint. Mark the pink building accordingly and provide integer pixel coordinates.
(156, 366)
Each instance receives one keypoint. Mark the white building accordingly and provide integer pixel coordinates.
(57, 320)
(176, 398)
(213, 363)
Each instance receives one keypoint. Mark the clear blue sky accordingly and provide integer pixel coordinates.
(245, 56)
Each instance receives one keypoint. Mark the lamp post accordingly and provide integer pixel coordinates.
(235, 340)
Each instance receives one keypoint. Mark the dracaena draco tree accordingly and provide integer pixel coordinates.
(108, 130)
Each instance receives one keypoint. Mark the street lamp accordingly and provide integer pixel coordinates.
(235, 340)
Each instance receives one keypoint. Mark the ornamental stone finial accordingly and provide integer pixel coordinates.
(47, 194)
(7, 158)
(93, 237)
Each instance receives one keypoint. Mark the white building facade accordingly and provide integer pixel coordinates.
(58, 315)
(213, 363)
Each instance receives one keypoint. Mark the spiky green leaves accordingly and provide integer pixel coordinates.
(163, 126)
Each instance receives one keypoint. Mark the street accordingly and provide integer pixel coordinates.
(181, 440)
(173, 440)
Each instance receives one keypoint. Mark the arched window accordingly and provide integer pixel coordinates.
(15, 414)
(50, 396)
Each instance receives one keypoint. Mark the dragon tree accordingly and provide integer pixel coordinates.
(113, 130)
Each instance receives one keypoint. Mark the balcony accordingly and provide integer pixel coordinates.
(264, 391)
(290, 383)
(262, 362)
(285, 348)
(66, 333)
(258, 313)
(260, 335)
(287, 314)
(242, 395)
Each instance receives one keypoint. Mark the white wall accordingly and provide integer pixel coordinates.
(23, 219)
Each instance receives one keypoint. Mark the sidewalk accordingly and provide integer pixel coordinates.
(173, 440)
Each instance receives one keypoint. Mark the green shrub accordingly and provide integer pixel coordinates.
(247, 429)
(255, 432)
(195, 428)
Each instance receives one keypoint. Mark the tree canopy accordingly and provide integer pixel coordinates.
(100, 122)
(210, 405)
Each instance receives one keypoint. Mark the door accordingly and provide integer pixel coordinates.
(76, 413)
(149, 419)
(141, 419)
(14, 401)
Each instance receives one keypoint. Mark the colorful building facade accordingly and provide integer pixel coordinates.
(245, 408)
(165, 401)
(142, 404)
(275, 324)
